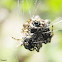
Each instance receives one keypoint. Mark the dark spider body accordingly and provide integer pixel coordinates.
(39, 35)
(36, 31)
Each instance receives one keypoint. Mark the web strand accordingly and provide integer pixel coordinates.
(56, 20)
(23, 8)
(56, 23)
(28, 9)
(35, 3)
(36, 8)
(18, 7)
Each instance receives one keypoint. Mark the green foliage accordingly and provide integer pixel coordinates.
(55, 5)
(10, 4)
(26, 5)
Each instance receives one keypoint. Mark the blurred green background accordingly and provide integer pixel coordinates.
(13, 13)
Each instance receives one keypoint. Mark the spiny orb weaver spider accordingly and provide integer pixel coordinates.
(36, 31)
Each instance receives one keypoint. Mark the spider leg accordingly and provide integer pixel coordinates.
(52, 31)
(52, 28)
(16, 39)
(20, 43)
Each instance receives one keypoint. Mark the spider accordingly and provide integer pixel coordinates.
(36, 31)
